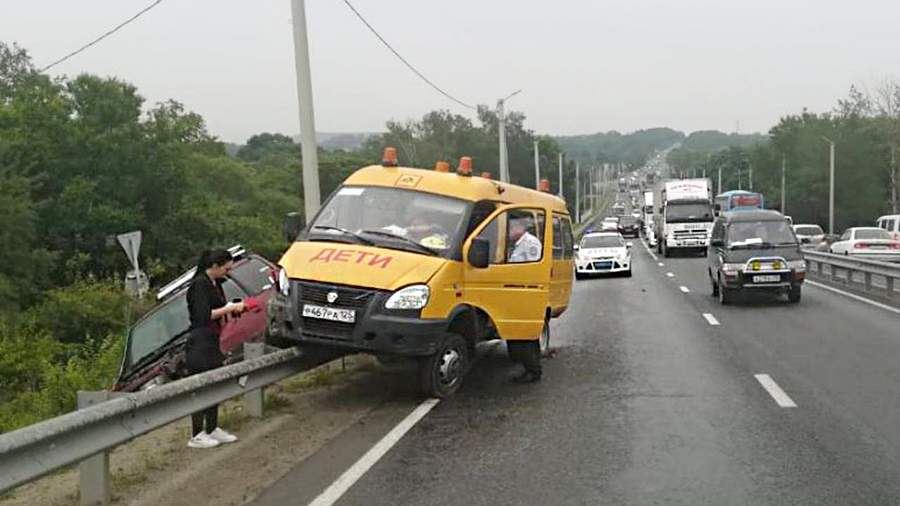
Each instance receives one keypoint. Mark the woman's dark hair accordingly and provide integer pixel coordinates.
(212, 257)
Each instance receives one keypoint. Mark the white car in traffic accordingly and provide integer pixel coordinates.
(810, 236)
(868, 242)
(891, 223)
(610, 224)
(602, 253)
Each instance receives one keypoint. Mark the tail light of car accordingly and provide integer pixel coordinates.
(894, 245)
(860, 245)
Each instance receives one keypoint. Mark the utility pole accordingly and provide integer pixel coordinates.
(720, 181)
(577, 193)
(750, 167)
(501, 127)
(893, 179)
(537, 166)
(560, 177)
(830, 185)
(783, 164)
(740, 162)
(307, 118)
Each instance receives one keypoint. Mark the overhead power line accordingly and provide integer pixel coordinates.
(405, 62)
(105, 35)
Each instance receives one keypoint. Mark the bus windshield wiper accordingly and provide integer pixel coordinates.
(407, 240)
(344, 231)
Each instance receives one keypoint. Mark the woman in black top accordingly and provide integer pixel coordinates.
(209, 311)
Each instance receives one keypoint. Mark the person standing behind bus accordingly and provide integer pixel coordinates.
(208, 311)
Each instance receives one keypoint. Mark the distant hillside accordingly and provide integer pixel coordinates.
(632, 148)
(714, 140)
(340, 140)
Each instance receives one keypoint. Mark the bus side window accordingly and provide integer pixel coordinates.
(558, 247)
(568, 239)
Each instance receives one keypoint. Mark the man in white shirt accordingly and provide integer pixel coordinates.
(527, 247)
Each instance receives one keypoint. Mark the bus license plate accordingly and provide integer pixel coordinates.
(329, 313)
(766, 279)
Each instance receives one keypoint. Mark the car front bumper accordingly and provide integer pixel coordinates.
(603, 265)
(744, 281)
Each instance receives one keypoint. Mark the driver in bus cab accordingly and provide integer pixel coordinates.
(427, 231)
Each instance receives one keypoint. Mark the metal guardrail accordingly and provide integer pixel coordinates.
(817, 260)
(34, 451)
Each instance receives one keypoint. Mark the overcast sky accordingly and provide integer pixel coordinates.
(584, 65)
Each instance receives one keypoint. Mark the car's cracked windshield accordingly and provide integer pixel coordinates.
(392, 218)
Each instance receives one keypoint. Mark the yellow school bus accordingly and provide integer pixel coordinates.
(426, 263)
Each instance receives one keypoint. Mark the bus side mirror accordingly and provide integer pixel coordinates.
(717, 207)
(479, 253)
(717, 243)
(292, 226)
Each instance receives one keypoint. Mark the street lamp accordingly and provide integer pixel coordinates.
(501, 123)
(830, 185)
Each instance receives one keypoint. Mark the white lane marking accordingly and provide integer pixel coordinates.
(684, 289)
(358, 469)
(775, 391)
(669, 274)
(661, 264)
(652, 254)
(710, 319)
(854, 296)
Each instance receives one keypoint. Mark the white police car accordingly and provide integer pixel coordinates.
(602, 253)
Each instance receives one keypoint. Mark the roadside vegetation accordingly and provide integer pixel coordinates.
(865, 127)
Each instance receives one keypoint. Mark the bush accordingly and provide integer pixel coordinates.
(53, 386)
(85, 310)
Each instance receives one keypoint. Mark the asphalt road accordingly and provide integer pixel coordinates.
(647, 402)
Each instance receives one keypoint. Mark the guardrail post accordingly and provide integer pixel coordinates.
(889, 284)
(93, 472)
(867, 280)
(253, 400)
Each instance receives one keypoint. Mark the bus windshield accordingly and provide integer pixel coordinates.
(419, 222)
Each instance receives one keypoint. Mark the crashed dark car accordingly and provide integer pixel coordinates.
(155, 345)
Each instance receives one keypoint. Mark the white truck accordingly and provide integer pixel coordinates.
(685, 215)
(647, 217)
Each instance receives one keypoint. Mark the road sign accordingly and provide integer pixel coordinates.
(131, 243)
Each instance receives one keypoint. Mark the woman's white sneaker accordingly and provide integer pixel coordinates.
(222, 437)
(203, 440)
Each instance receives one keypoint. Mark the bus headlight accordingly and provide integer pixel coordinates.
(411, 297)
(284, 283)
